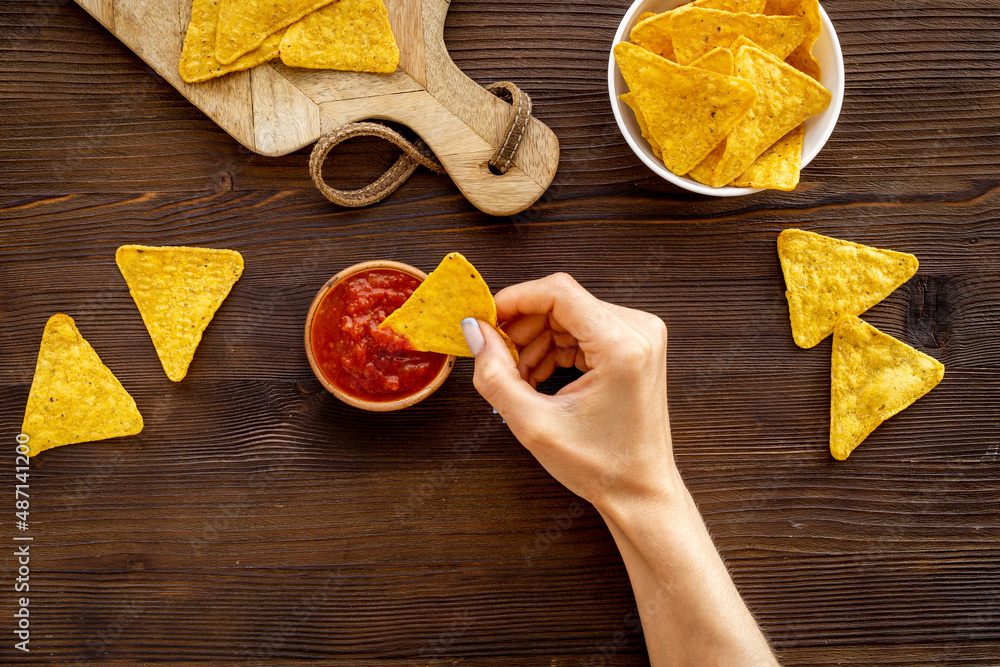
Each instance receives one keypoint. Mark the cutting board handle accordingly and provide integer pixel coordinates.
(415, 155)
(465, 153)
(464, 124)
(460, 121)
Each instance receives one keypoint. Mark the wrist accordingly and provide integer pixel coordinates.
(662, 497)
(691, 611)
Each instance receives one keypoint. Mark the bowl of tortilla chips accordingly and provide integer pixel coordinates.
(726, 97)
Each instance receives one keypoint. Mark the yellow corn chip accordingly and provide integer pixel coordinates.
(431, 319)
(743, 40)
(74, 397)
(198, 61)
(719, 60)
(828, 278)
(629, 99)
(177, 291)
(786, 97)
(688, 110)
(245, 24)
(697, 31)
(653, 30)
(780, 7)
(778, 168)
(351, 35)
(802, 57)
(873, 377)
(741, 6)
(702, 172)
(653, 33)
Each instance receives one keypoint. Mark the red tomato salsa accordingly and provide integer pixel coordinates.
(353, 354)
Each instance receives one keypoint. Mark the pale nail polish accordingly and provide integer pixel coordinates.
(473, 336)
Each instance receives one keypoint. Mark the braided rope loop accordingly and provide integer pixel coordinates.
(415, 154)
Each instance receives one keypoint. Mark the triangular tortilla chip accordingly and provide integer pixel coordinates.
(719, 60)
(697, 31)
(198, 62)
(652, 32)
(703, 171)
(802, 57)
(779, 166)
(74, 397)
(828, 278)
(431, 319)
(245, 24)
(780, 7)
(629, 99)
(177, 291)
(351, 35)
(688, 110)
(785, 99)
(873, 377)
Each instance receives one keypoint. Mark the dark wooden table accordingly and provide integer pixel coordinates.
(256, 520)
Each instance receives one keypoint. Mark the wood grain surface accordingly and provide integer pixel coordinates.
(257, 521)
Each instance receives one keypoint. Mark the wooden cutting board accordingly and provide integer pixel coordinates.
(274, 110)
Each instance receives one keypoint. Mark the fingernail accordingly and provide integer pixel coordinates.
(473, 336)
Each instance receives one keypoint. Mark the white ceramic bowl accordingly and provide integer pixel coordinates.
(818, 128)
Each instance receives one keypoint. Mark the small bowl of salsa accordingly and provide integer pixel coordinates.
(361, 365)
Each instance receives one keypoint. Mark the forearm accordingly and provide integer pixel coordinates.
(691, 611)
(606, 436)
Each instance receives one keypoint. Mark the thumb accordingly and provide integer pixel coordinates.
(497, 379)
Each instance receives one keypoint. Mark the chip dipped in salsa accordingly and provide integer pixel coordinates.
(353, 354)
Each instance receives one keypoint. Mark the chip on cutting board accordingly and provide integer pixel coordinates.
(652, 32)
(785, 99)
(778, 168)
(688, 110)
(696, 31)
(827, 278)
(351, 35)
(873, 377)
(74, 397)
(198, 62)
(245, 24)
(431, 319)
(177, 291)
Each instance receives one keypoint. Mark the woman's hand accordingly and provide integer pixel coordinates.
(605, 436)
